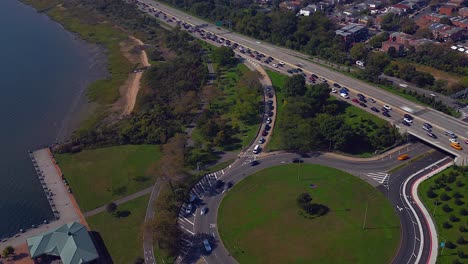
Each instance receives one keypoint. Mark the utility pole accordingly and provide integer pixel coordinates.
(436, 202)
(365, 216)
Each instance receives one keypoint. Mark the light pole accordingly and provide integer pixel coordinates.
(365, 214)
(433, 100)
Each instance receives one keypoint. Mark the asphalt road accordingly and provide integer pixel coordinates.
(293, 59)
(198, 227)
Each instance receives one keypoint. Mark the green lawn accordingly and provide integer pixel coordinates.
(99, 176)
(278, 80)
(260, 222)
(442, 184)
(122, 236)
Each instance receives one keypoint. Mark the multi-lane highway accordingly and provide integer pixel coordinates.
(416, 245)
(293, 59)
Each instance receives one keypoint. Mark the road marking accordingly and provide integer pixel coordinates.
(212, 225)
(187, 230)
(201, 185)
(380, 177)
(185, 219)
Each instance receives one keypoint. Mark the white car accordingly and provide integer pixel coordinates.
(333, 90)
(344, 95)
(408, 120)
(387, 107)
(203, 211)
(275, 65)
(281, 63)
(453, 140)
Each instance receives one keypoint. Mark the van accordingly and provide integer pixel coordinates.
(456, 146)
(403, 157)
(256, 150)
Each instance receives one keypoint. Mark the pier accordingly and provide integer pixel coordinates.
(56, 189)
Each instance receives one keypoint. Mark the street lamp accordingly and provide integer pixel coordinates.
(433, 99)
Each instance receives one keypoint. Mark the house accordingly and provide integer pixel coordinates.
(442, 32)
(352, 33)
(308, 10)
(460, 22)
(433, 17)
(401, 6)
(289, 6)
(70, 243)
(387, 45)
(395, 10)
(463, 12)
(448, 10)
(400, 40)
(374, 4)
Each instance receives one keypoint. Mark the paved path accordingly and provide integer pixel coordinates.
(120, 201)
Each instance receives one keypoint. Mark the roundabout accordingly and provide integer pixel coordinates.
(259, 220)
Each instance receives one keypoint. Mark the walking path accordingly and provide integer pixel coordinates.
(65, 208)
(120, 201)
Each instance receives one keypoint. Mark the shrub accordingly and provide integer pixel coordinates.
(460, 184)
(447, 208)
(463, 229)
(456, 261)
(444, 197)
(461, 254)
(461, 240)
(464, 211)
(111, 207)
(303, 199)
(431, 194)
(446, 225)
(454, 219)
(448, 189)
(458, 195)
(450, 245)
(459, 202)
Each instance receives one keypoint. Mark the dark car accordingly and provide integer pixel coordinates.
(337, 85)
(229, 184)
(254, 163)
(270, 95)
(264, 134)
(375, 109)
(267, 127)
(299, 69)
(295, 70)
(362, 99)
(218, 184)
(344, 88)
(270, 114)
(385, 113)
(289, 71)
(297, 160)
(315, 76)
(408, 116)
(427, 125)
(360, 95)
(362, 104)
(431, 135)
(270, 102)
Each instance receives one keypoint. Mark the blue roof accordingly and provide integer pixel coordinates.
(71, 242)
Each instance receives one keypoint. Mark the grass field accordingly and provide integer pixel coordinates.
(442, 184)
(260, 222)
(278, 80)
(122, 236)
(99, 176)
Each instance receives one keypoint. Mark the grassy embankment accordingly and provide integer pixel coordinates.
(266, 226)
(122, 236)
(226, 82)
(102, 92)
(445, 205)
(354, 116)
(99, 176)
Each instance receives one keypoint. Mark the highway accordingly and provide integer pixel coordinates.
(441, 122)
(396, 187)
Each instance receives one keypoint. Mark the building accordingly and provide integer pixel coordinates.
(401, 41)
(399, 48)
(289, 6)
(308, 10)
(463, 12)
(442, 32)
(460, 22)
(447, 10)
(353, 33)
(71, 243)
(372, 4)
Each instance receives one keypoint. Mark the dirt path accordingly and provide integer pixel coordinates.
(133, 81)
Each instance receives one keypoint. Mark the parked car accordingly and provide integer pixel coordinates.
(355, 100)
(254, 163)
(371, 100)
(408, 116)
(188, 209)
(264, 134)
(427, 125)
(203, 211)
(297, 160)
(387, 107)
(362, 104)
(344, 95)
(261, 141)
(408, 120)
(385, 113)
(333, 90)
(375, 109)
(207, 245)
(426, 128)
(453, 140)
(337, 85)
(405, 123)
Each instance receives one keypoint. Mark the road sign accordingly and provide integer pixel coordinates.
(219, 23)
(442, 244)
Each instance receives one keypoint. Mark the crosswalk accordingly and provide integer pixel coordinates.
(380, 177)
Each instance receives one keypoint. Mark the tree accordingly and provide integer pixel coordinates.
(408, 26)
(139, 260)
(111, 207)
(461, 240)
(376, 41)
(450, 244)
(358, 51)
(389, 22)
(8, 251)
(303, 198)
(431, 194)
(223, 55)
(295, 86)
(447, 208)
(446, 225)
(444, 197)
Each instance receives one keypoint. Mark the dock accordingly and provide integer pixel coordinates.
(56, 189)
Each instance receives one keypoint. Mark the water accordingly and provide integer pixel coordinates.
(44, 71)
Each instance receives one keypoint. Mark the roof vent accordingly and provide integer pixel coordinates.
(69, 233)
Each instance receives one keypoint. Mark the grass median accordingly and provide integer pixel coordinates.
(259, 221)
(99, 176)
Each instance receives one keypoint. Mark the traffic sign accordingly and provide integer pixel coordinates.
(219, 23)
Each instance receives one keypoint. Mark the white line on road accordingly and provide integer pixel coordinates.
(185, 219)
(187, 230)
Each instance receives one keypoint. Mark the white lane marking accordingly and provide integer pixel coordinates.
(201, 185)
(185, 219)
(187, 230)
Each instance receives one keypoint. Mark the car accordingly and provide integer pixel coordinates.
(193, 198)
(375, 109)
(432, 135)
(426, 128)
(269, 120)
(456, 146)
(360, 95)
(362, 99)
(270, 114)
(264, 134)
(408, 120)
(333, 91)
(427, 125)
(337, 85)
(362, 104)
(466, 141)
(254, 163)
(297, 160)
(188, 209)
(450, 134)
(344, 95)
(281, 63)
(295, 70)
(289, 71)
(403, 157)
(346, 89)
(387, 107)
(261, 140)
(270, 95)
(453, 140)
(267, 128)
(203, 211)
(218, 184)
(408, 116)
(371, 100)
(405, 123)
(270, 102)
(385, 113)
(206, 244)
(275, 65)
(299, 69)
(268, 89)
(355, 100)
(229, 185)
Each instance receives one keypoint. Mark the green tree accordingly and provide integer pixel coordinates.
(295, 86)
(376, 41)
(358, 51)
(8, 251)
(111, 207)
(408, 26)
(224, 56)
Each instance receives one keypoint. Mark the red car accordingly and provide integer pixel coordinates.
(356, 101)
